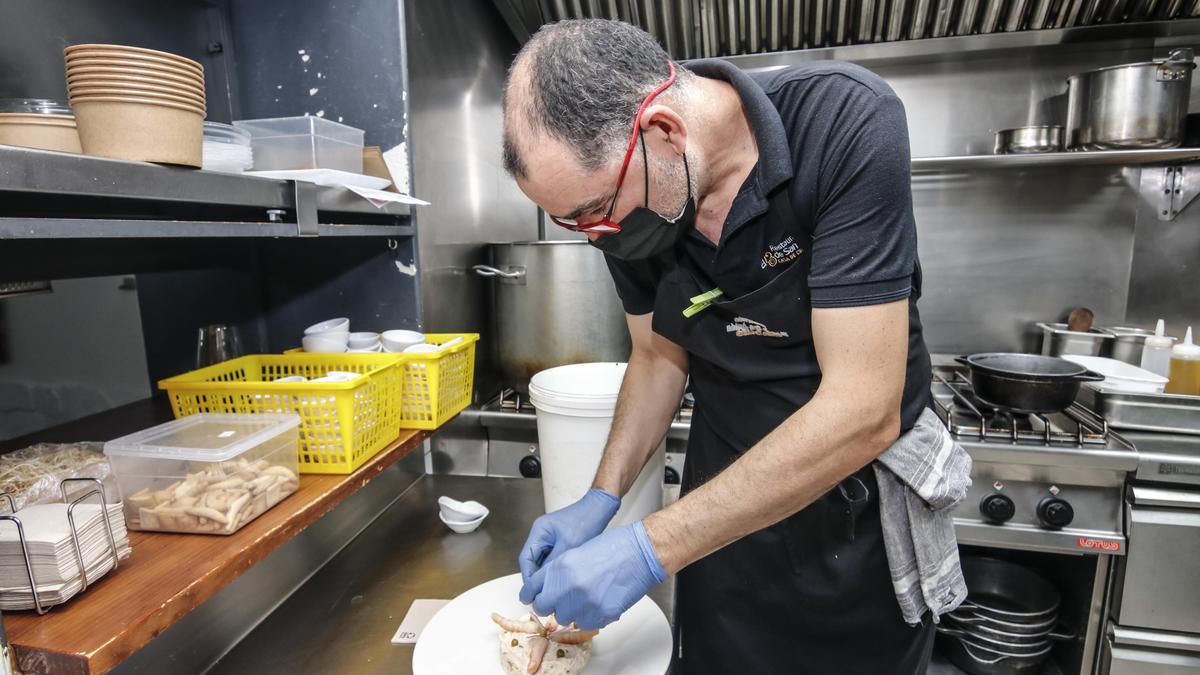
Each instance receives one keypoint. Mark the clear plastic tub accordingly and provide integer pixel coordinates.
(226, 148)
(285, 143)
(206, 473)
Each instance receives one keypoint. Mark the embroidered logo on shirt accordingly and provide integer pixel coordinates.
(741, 327)
(784, 251)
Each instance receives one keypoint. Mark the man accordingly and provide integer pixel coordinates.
(760, 233)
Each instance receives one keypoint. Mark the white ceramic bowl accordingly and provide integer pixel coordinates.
(340, 324)
(396, 341)
(339, 336)
(363, 340)
(369, 350)
(454, 511)
(337, 376)
(422, 348)
(316, 344)
(462, 528)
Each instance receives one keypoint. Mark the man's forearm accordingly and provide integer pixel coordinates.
(648, 401)
(812, 451)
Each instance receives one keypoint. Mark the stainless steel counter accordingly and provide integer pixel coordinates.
(342, 620)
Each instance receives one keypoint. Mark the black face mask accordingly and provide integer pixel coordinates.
(644, 233)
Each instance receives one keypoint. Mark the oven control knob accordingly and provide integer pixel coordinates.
(671, 476)
(997, 508)
(530, 467)
(1055, 513)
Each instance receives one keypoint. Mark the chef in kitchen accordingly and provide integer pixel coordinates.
(760, 232)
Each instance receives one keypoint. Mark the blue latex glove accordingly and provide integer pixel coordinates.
(560, 531)
(595, 583)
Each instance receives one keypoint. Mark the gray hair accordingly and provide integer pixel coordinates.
(581, 82)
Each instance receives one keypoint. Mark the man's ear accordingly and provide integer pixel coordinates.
(662, 126)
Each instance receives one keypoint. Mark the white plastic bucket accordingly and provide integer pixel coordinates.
(575, 406)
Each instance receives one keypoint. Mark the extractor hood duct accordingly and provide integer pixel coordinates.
(710, 28)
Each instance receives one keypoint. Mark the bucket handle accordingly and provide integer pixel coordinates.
(489, 271)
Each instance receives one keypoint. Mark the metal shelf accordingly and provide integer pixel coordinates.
(62, 195)
(1166, 157)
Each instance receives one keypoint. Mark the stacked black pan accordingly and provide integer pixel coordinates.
(1008, 624)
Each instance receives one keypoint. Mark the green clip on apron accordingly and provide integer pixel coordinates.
(811, 594)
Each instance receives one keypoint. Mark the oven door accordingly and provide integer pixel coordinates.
(1159, 587)
(1132, 651)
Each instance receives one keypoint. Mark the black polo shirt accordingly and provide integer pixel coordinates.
(838, 132)
(832, 137)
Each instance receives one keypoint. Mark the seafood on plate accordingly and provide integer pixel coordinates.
(534, 646)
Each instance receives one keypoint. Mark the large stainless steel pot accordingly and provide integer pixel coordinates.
(555, 305)
(1138, 105)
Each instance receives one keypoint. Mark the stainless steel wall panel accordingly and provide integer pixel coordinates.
(455, 89)
(1166, 263)
(1000, 253)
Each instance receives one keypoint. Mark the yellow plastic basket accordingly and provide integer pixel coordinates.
(342, 424)
(438, 385)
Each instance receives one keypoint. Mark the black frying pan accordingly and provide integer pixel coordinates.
(1008, 592)
(1026, 383)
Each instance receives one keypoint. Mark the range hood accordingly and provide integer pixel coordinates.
(721, 28)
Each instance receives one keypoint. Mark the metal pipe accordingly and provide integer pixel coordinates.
(668, 27)
(1118, 11)
(1017, 12)
(895, 26)
(943, 15)
(992, 11)
(753, 25)
(967, 19)
(773, 25)
(1091, 13)
(919, 28)
(866, 22)
(1040, 15)
(687, 29)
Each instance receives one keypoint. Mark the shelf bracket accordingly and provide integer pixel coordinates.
(1178, 186)
(306, 209)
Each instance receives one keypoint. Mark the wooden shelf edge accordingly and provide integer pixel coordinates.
(73, 638)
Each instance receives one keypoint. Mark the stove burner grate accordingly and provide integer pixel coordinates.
(966, 415)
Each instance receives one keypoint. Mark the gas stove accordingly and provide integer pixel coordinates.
(1053, 482)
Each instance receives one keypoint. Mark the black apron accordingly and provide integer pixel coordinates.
(811, 594)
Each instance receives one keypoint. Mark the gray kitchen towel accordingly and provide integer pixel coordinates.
(921, 477)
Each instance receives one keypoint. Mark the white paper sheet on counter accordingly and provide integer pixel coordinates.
(380, 198)
(419, 614)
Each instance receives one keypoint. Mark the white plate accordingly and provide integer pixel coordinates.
(325, 177)
(461, 637)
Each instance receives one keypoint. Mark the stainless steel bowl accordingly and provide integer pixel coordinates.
(1029, 140)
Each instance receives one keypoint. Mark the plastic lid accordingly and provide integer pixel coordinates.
(35, 106)
(1159, 340)
(1186, 349)
(226, 133)
(207, 437)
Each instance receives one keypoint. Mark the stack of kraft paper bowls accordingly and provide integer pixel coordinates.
(137, 104)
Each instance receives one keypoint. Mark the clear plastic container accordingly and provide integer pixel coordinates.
(206, 473)
(284, 143)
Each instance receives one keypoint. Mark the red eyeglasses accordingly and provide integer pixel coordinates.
(606, 225)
